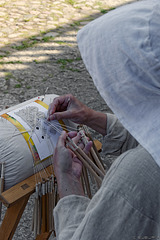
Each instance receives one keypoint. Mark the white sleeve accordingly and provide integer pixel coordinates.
(68, 215)
(118, 139)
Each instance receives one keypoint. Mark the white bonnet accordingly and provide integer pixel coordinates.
(121, 51)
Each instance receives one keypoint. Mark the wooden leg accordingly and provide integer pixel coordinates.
(12, 218)
(43, 236)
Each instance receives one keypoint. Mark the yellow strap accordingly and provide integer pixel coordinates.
(26, 135)
(20, 128)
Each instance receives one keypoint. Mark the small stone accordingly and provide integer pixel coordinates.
(84, 23)
(51, 34)
(38, 38)
(3, 14)
(28, 17)
(14, 35)
(56, 11)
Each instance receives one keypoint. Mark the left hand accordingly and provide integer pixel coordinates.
(67, 167)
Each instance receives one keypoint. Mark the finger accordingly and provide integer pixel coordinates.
(60, 103)
(61, 115)
(77, 138)
(53, 107)
(62, 139)
(72, 134)
(87, 147)
(75, 159)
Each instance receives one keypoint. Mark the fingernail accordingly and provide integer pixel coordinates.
(51, 117)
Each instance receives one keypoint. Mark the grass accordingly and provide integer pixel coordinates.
(74, 69)
(2, 56)
(75, 23)
(8, 76)
(64, 64)
(71, 2)
(25, 44)
(63, 43)
(18, 85)
(64, 61)
(36, 61)
(47, 39)
(60, 42)
(10, 62)
(31, 42)
(106, 10)
(103, 11)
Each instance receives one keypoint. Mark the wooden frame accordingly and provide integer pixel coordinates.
(16, 199)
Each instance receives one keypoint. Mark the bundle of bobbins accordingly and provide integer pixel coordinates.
(46, 197)
(93, 168)
(46, 192)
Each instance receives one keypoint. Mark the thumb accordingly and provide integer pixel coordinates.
(87, 147)
(62, 139)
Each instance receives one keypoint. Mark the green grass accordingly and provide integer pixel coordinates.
(103, 11)
(106, 10)
(2, 56)
(65, 64)
(64, 61)
(75, 23)
(18, 85)
(47, 39)
(71, 2)
(11, 62)
(74, 69)
(25, 44)
(8, 76)
(60, 42)
(63, 43)
(36, 61)
(31, 42)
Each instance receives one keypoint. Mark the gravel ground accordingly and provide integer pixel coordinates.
(38, 49)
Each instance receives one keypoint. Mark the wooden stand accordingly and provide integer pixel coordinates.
(16, 199)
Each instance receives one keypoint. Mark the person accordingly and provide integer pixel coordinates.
(121, 51)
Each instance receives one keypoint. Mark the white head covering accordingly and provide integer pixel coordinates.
(121, 51)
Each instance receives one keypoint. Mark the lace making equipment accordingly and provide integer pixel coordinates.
(27, 145)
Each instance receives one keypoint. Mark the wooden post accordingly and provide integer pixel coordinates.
(15, 199)
(12, 218)
(43, 236)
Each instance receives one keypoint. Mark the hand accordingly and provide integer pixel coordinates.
(68, 107)
(67, 167)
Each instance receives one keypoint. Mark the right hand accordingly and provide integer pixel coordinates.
(68, 107)
(67, 167)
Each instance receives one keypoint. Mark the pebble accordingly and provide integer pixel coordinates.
(51, 34)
